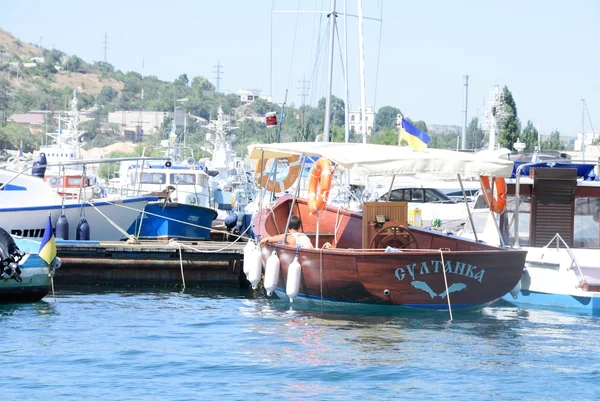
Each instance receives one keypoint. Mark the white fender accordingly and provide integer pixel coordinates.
(516, 291)
(254, 267)
(272, 273)
(250, 246)
(292, 286)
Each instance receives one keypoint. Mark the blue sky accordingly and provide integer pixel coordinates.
(546, 52)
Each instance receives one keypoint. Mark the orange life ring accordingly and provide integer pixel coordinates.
(282, 183)
(320, 176)
(497, 201)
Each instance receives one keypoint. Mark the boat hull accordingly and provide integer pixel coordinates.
(551, 279)
(173, 220)
(408, 279)
(30, 221)
(35, 281)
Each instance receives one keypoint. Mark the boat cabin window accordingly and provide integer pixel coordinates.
(154, 178)
(74, 182)
(586, 233)
(183, 179)
(202, 180)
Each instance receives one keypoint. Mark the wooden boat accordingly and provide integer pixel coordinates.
(425, 269)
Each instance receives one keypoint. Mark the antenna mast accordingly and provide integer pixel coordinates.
(218, 76)
(105, 45)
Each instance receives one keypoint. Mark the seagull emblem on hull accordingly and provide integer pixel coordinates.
(423, 286)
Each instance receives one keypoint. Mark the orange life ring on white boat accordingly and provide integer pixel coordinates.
(321, 177)
(282, 183)
(496, 201)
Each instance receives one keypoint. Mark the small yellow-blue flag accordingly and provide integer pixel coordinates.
(48, 245)
(416, 139)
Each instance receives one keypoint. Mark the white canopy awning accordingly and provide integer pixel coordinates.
(380, 160)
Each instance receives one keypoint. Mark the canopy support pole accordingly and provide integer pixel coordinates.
(390, 191)
(462, 188)
(260, 201)
(287, 225)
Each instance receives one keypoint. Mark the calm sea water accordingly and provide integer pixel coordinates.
(233, 345)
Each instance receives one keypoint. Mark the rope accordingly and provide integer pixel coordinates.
(174, 241)
(321, 277)
(337, 225)
(52, 282)
(181, 265)
(446, 283)
(115, 225)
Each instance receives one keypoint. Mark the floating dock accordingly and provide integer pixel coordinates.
(151, 263)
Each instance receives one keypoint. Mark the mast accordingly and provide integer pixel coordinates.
(466, 101)
(363, 96)
(346, 106)
(583, 129)
(332, 15)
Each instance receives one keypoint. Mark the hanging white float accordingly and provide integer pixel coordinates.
(250, 246)
(272, 273)
(292, 286)
(254, 267)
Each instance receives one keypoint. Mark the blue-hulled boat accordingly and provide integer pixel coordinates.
(167, 220)
(24, 276)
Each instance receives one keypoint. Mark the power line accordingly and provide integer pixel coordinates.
(303, 88)
(218, 73)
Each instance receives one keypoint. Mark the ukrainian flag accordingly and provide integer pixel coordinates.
(48, 245)
(416, 139)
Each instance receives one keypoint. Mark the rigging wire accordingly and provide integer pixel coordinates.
(294, 45)
(380, 5)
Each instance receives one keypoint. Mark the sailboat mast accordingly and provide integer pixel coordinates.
(346, 106)
(332, 16)
(363, 96)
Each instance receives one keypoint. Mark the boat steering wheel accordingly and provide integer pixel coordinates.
(397, 237)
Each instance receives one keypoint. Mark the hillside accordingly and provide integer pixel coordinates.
(13, 46)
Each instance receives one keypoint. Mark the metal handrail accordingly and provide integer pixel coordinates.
(560, 239)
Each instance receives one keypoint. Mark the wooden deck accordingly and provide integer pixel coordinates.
(151, 263)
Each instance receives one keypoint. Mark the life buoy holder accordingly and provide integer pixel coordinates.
(320, 177)
(282, 183)
(497, 200)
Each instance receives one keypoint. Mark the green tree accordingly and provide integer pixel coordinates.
(201, 84)
(337, 110)
(107, 171)
(386, 117)
(262, 106)
(107, 95)
(75, 64)
(475, 135)
(182, 80)
(554, 142)
(529, 136)
(386, 136)
(4, 100)
(509, 124)
(12, 135)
